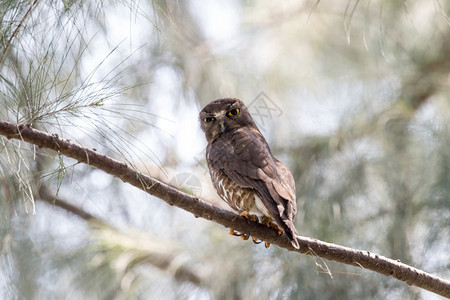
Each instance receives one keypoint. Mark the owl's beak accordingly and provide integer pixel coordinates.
(223, 127)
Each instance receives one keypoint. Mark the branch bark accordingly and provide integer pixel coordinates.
(354, 257)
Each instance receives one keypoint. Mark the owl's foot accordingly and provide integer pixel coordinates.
(243, 236)
(235, 233)
(265, 221)
(268, 222)
(256, 241)
(248, 216)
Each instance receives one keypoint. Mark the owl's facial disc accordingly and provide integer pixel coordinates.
(222, 116)
(219, 119)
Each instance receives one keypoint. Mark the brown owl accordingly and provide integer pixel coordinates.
(243, 170)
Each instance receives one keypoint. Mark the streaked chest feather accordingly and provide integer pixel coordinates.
(238, 198)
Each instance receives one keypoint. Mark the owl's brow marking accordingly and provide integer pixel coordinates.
(220, 114)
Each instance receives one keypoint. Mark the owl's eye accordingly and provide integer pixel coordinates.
(233, 112)
(208, 119)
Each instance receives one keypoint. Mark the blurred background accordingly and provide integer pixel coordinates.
(353, 96)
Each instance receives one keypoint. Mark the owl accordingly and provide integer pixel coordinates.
(243, 170)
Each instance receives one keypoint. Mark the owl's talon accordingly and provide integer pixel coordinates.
(244, 214)
(244, 236)
(267, 245)
(233, 232)
(248, 216)
(266, 221)
(278, 229)
(255, 241)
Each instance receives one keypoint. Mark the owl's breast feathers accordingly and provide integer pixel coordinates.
(244, 171)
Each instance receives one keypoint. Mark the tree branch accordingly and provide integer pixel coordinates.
(46, 196)
(172, 196)
(146, 254)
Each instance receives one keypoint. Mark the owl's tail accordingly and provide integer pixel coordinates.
(291, 232)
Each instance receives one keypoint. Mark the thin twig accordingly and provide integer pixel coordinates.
(16, 31)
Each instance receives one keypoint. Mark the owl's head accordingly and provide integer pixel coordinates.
(224, 115)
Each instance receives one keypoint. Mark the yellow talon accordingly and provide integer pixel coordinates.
(265, 221)
(280, 231)
(268, 222)
(248, 216)
(255, 240)
(232, 232)
(245, 214)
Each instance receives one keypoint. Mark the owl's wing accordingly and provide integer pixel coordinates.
(245, 157)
